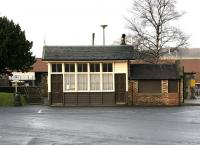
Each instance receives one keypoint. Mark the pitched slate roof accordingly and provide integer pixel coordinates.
(153, 71)
(83, 53)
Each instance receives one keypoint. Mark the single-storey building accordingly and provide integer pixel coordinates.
(155, 84)
(105, 75)
(88, 75)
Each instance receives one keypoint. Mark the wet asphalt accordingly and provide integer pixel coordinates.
(42, 125)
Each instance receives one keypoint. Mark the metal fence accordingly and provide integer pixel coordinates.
(33, 94)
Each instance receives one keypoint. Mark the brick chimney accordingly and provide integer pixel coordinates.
(123, 39)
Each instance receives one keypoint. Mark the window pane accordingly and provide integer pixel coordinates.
(107, 67)
(104, 67)
(82, 81)
(110, 67)
(91, 67)
(97, 67)
(84, 67)
(94, 67)
(59, 67)
(66, 67)
(70, 82)
(172, 86)
(149, 86)
(56, 67)
(79, 67)
(107, 82)
(72, 67)
(95, 82)
(53, 67)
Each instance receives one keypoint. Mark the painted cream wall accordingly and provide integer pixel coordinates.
(49, 77)
(118, 67)
(122, 67)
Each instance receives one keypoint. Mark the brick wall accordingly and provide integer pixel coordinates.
(152, 99)
(130, 93)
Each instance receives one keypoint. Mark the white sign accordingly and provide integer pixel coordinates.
(24, 76)
(15, 78)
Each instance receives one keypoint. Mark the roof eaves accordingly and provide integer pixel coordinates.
(82, 59)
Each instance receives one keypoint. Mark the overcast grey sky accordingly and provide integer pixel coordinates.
(72, 22)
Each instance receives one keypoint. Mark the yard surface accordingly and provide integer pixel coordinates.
(41, 125)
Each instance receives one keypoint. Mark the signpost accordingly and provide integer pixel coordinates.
(17, 100)
(15, 79)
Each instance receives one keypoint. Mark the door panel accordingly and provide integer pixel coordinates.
(56, 88)
(120, 88)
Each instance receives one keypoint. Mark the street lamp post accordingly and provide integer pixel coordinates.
(104, 26)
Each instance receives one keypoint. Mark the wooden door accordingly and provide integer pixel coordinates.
(120, 88)
(56, 88)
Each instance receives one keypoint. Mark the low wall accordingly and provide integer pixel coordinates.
(152, 99)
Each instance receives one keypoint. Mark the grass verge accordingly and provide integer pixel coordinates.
(7, 99)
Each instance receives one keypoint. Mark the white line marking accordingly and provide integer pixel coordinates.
(40, 111)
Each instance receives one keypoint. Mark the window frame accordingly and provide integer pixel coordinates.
(99, 83)
(69, 67)
(87, 88)
(65, 82)
(82, 67)
(56, 68)
(173, 90)
(106, 69)
(97, 71)
(109, 83)
(95, 68)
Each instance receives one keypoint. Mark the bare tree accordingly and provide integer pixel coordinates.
(153, 32)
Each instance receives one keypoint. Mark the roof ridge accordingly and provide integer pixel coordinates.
(88, 46)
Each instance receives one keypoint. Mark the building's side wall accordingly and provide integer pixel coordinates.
(151, 99)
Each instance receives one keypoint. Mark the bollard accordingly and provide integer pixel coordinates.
(17, 99)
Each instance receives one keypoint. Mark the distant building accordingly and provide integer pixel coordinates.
(189, 60)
